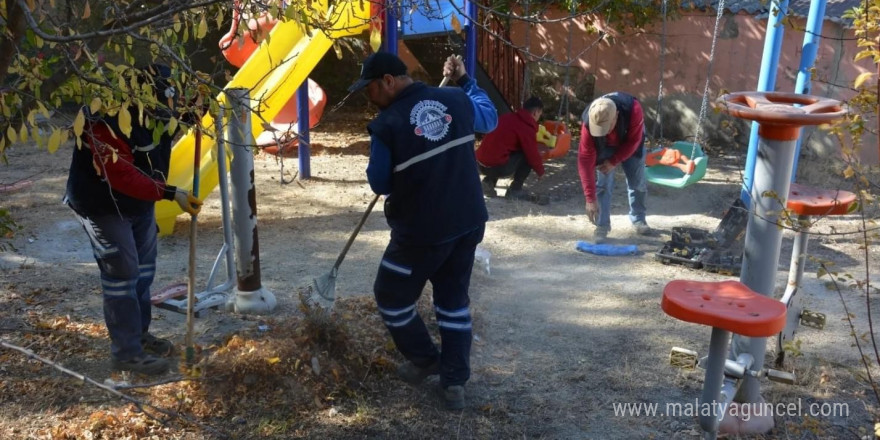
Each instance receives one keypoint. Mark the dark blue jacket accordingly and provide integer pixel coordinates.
(138, 169)
(435, 186)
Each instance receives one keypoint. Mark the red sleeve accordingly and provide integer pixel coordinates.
(634, 136)
(528, 139)
(120, 172)
(587, 164)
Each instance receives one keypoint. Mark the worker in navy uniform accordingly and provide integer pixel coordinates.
(422, 158)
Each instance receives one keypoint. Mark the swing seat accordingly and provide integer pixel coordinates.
(563, 140)
(674, 176)
(671, 158)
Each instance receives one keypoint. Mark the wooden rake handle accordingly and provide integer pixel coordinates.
(354, 234)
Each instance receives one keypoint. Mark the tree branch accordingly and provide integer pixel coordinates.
(130, 24)
(137, 403)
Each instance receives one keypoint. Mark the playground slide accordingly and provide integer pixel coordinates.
(272, 74)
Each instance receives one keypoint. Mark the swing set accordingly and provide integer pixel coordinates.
(683, 163)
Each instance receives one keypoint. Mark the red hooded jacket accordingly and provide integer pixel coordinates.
(515, 132)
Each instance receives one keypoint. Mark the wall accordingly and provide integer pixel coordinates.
(630, 62)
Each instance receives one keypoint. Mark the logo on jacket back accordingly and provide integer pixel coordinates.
(430, 119)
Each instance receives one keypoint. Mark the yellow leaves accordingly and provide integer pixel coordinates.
(55, 140)
(864, 76)
(456, 25)
(11, 134)
(273, 361)
(78, 123)
(867, 53)
(124, 118)
(375, 39)
(849, 172)
(202, 29)
(172, 126)
(95, 105)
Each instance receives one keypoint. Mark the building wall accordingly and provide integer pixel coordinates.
(630, 62)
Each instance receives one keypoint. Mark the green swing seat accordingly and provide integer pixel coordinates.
(674, 177)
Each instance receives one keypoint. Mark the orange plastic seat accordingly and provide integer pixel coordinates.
(728, 305)
(806, 200)
(672, 158)
(563, 140)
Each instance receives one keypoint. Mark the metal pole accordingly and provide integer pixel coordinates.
(766, 83)
(223, 181)
(812, 36)
(470, 58)
(713, 381)
(250, 296)
(390, 43)
(302, 108)
(799, 252)
(762, 244)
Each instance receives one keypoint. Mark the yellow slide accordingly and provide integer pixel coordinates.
(272, 74)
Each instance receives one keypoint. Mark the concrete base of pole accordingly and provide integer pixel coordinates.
(747, 418)
(257, 302)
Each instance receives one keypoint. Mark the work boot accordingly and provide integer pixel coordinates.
(414, 375)
(489, 187)
(642, 227)
(144, 364)
(156, 346)
(453, 396)
(600, 234)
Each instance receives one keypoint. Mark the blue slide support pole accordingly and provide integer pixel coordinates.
(812, 36)
(766, 83)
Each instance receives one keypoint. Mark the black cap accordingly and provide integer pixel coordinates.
(376, 66)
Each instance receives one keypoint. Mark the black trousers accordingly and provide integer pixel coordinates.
(403, 272)
(516, 166)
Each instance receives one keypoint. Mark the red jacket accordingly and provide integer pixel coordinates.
(625, 149)
(515, 132)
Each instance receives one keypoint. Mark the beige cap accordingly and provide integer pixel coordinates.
(603, 115)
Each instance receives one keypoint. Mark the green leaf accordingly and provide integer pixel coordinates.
(203, 28)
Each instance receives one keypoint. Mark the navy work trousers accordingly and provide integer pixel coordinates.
(125, 249)
(402, 276)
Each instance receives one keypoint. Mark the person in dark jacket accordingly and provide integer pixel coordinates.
(114, 182)
(422, 158)
(612, 134)
(512, 150)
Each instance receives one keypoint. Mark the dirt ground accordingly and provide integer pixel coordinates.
(560, 336)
